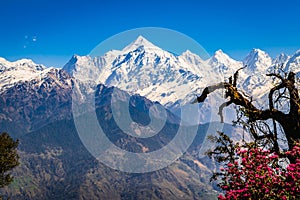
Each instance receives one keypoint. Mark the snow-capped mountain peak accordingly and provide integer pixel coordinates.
(281, 59)
(192, 57)
(22, 63)
(220, 52)
(79, 59)
(222, 57)
(222, 63)
(140, 42)
(256, 54)
(189, 53)
(294, 63)
(18, 71)
(257, 61)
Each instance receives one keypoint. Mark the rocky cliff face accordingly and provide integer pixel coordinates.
(56, 165)
(31, 104)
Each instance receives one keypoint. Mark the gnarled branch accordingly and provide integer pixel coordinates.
(238, 99)
(289, 122)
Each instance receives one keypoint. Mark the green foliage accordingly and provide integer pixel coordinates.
(8, 158)
(225, 148)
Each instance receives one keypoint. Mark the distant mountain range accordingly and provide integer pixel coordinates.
(36, 107)
(145, 69)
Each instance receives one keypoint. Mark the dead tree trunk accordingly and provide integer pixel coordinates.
(290, 121)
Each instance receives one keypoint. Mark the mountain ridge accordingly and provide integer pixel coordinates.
(172, 80)
(145, 69)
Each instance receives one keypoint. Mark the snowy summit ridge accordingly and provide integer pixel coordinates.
(19, 71)
(145, 69)
(140, 42)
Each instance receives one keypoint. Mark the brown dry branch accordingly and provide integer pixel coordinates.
(290, 121)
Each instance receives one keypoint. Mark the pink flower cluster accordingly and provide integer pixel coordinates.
(255, 174)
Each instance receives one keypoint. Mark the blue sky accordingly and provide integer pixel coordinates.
(50, 32)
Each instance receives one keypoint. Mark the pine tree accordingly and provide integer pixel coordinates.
(8, 158)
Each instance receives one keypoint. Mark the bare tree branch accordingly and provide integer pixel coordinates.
(289, 122)
(221, 109)
(238, 99)
(236, 76)
(277, 76)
